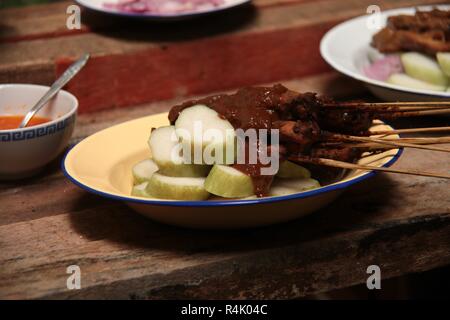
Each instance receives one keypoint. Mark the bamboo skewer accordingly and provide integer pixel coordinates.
(289, 131)
(372, 144)
(420, 113)
(418, 141)
(347, 165)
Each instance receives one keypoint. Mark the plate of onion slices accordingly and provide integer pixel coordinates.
(160, 10)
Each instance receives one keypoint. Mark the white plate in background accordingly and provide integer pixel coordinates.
(346, 47)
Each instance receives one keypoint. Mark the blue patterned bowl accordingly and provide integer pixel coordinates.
(24, 152)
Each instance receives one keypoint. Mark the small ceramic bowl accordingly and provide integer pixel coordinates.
(24, 152)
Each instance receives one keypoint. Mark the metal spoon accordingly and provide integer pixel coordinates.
(56, 86)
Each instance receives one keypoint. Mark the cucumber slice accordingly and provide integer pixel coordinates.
(209, 138)
(140, 190)
(423, 68)
(406, 81)
(282, 187)
(166, 152)
(143, 170)
(289, 169)
(176, 188)
(228, 182)
(443, 59)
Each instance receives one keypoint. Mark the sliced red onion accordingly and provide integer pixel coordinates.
(383, 68)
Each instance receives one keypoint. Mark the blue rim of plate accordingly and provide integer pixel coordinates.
(226, 203)
(161, 16)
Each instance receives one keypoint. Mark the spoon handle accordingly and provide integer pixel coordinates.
(56, 86)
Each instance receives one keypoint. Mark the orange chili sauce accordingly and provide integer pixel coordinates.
(12, 122)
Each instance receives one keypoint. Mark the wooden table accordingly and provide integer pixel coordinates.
(401, 223)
